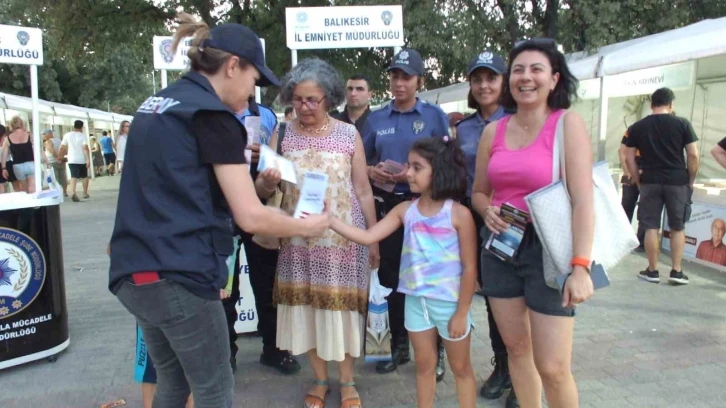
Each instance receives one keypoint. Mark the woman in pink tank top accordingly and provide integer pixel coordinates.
(515, 159)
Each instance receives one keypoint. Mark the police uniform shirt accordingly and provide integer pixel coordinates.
(469, 131)
(389, 133)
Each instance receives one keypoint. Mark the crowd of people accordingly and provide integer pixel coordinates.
(410, 193)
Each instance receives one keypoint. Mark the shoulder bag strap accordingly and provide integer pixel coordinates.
(559, 167)
(280, 135)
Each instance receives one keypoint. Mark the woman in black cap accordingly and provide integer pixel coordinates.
(185, 183)
(486, 81)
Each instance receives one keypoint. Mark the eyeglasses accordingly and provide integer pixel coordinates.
(542, 42)
(297, 103)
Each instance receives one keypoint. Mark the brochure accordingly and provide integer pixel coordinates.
(390, 167)
(312, 195)
(252, 126)
(505, 245)
(269, 159)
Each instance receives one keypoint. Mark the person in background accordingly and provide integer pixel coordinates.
(109, 153)
(714, 250)
(357, 102)
(513, 161)
(121, 139)
(321, 288)
(289, 114)
(52, 148)
(486, 82)
(19, 142)
(3, 179)
(665, 179)
(388, 134)
(454, 118)
(262, 264)
(75, 145)
(178, 202)
(630, 190)
(719, 152)
(97, 155)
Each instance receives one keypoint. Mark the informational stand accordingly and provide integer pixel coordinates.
(246, 311)
(33, 313)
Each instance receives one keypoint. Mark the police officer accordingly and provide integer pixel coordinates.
(185, 184)
(486, 82)
(389, 134)
(262, 264)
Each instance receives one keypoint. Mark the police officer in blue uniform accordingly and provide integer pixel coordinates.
(262, 264)
(185, 184)
(389, 134)
(486, 82)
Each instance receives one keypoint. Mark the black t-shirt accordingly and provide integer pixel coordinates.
(343, 117)
(722, 143)
(661, 140)
(221, 140)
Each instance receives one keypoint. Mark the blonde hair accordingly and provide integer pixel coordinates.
(121, 128)
(205, 59)
(16, 123)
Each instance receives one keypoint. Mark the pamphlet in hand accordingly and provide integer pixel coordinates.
(312, 195)
(252, 126)
(269, 159)
(390, 167)
(505, 244)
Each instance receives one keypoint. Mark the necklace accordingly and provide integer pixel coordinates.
(318, 130)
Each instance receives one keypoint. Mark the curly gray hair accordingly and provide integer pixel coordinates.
(318, 71)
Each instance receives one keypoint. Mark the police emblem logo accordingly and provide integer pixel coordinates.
(165, 50)
(22, 271)
(387, 17)
(486, 57)
(302, 17)
(418, 126)
(23, 38)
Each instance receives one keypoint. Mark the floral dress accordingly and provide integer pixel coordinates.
(321, 287)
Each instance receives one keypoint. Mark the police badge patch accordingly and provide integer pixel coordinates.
(22, 271)
(418, 126)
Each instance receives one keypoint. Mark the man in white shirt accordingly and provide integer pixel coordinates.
(75, 144)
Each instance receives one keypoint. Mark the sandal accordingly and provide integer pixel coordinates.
(351, 401)
(315, 401)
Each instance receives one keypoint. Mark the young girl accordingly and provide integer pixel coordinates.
(438, 263)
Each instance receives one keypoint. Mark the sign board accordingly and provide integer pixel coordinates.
(646, 81)
(165, 59)
(246, 311)
(344, 27)
(707, 224)
(21, 45)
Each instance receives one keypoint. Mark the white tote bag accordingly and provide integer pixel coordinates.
(551, 210)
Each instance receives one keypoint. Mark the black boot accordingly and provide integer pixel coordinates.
(400, 354)
(511, 400)
(499, 381)
(440, 364)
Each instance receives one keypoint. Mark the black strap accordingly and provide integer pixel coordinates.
(280, 135)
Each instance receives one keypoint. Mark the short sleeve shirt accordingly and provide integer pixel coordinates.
(389, 134)
(722, 143)
(661, 140)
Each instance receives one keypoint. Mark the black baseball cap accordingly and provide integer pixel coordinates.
(489, 60)
(239, 40)
(409, 61)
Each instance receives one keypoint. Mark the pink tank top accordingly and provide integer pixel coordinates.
(513, 174)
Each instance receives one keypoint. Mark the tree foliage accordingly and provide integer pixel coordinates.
(98, 52)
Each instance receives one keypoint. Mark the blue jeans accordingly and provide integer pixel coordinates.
(186, 337)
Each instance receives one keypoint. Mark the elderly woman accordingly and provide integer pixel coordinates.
(322, 284)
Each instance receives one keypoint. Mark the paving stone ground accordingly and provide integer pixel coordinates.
(636, 344)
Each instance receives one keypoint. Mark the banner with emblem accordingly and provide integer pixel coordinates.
(21, 45)
(164, 58)
(344, 27)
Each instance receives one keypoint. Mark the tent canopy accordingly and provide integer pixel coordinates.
(25, 104)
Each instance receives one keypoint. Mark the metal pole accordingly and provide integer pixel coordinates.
(294, 57)
(163, 78)
(36, 127)
(153, 79)
(603, 121)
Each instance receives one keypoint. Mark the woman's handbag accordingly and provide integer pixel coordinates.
(551, 211)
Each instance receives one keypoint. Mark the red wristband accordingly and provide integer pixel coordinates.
(584, 262)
